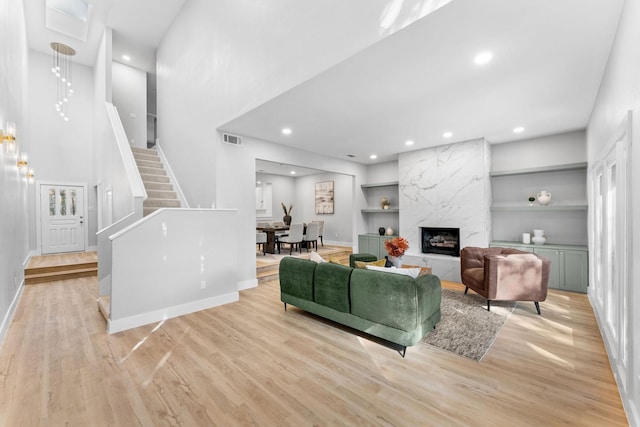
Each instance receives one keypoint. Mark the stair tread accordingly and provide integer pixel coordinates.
(60, 272)
(60, 268)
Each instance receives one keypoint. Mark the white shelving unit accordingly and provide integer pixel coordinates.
(564, 219)
(377, 217)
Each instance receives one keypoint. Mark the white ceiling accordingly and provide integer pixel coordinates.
(138, 27)
(284, 169)
(548, 61)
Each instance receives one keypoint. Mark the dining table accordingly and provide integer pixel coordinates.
(270, 246)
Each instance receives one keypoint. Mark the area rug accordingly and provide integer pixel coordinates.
(466, 327)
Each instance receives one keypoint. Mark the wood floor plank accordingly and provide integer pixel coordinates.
(252, 363)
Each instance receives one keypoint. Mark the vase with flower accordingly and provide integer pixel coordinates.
(396, 248)
(287, 214)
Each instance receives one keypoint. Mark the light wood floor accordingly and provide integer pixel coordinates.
(252, 363)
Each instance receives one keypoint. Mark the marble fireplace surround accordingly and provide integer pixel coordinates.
(445, 186)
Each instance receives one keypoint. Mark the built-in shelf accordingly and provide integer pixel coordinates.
(391, 210)
(539, 208)
(554, 168)
(380, 184)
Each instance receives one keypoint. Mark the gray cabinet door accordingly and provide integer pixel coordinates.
(363, 244)
(556, 272)
(575, 271)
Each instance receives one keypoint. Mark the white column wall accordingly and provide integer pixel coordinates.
(129, 95)
(619, 93)
(445, 186)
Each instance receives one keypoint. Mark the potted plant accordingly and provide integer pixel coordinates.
(287, 214)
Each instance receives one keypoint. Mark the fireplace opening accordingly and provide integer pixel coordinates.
(437, 240)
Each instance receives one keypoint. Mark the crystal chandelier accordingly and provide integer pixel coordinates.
(61, 68)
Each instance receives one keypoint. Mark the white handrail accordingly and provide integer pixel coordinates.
(135, 180)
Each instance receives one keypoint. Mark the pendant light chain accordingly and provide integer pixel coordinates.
(61, 68)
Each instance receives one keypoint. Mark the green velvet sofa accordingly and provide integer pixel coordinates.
(394, 307)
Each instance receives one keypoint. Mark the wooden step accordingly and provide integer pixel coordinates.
(159, 194)
(149, 163)
(160, 186)
(104, 306)
(155, 178)
(161, 203)
(146, 157)
(34, 276)
(152, 171)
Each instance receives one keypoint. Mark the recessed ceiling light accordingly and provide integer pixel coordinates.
(447, 135)
(258, 182)
(409, 142)
(286, 131)
(483, 57)
(292, 172)
(519, 129)
(126, 57)
(373, 156)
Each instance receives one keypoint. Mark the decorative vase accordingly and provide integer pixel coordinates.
(544, 197)
(381, 231)
(384, 202)
(397, 261)
(389, 231)
(538, 237)
(287, 220)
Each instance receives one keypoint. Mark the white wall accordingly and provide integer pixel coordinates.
(283, 191)
(619, 93)
(129, 94)
(14, 190)
(61, 151)
(558, 149)
(338, 227)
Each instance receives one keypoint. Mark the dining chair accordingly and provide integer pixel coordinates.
(261, 240)
(311, 237)
(320, 232)
(294, 238)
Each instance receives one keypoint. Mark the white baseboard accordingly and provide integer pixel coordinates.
(130, 322)
(6, 322)
(247, 284)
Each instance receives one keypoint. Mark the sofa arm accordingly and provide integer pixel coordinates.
(516, 277)
(365, 257)
(429, 291)
(296, 277)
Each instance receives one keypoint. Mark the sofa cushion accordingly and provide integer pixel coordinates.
(331, 286)
(296, 277)
(385, 298)
(363, 264)
(411, 272)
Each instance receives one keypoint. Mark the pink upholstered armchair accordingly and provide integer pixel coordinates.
(505, 274)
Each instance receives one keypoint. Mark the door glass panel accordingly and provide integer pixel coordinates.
(52, 202)
(74, 201)
(63, 202)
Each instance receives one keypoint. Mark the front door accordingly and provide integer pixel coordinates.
(62, 218)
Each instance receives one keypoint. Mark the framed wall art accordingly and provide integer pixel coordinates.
(324, 197)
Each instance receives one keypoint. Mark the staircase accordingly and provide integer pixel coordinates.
(51, 268)
(159, 188)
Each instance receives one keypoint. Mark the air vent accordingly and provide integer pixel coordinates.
(232, 139)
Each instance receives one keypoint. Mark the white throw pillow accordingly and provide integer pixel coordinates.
(316, 257)
(411, 272)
